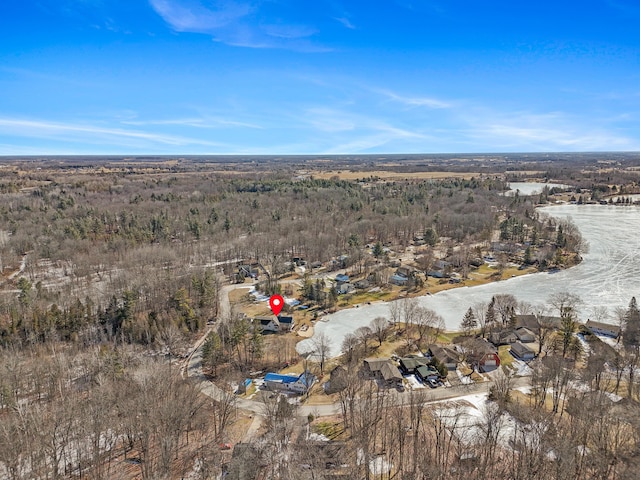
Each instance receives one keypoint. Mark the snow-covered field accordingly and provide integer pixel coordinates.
(605, 278)
(530, 188)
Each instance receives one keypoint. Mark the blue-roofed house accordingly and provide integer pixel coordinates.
(290, 382)
(342, 278)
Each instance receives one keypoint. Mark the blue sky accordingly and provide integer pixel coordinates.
(321, 77)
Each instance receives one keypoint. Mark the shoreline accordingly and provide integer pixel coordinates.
(428, 291)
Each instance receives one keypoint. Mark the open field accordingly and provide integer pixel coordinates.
(391, 175)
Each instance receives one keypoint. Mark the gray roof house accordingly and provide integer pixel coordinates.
(382, 369)
(446, 356)
(606, 329)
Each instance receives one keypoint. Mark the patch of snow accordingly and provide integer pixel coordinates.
(467, 420)
(260, 297)
(521, 368)
(379, 466)
(464, 379)
(414, 383)
(525, 390)
(614, 398)
(318, 437)
(609, 341)
(586, 348)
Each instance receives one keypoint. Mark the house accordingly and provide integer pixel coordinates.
(436, 273)
(605, 329)
(489, 362)
(342, 278)
(481, 354)
(441, 264)
(383, 369)
(362, 284)
(522, 352)
(291, 383)
(409, 365)
(372, 366)
(268, 324)
(550, 322)
(445, 356)
(398, 280)
(344, 288)
(390, 374)
(525, 335)
(504, 337)
(248, 271)
(405, 272)
(426, 373)
(527, 321)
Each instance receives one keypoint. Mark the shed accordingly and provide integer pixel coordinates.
(525, 335)
(522, 352)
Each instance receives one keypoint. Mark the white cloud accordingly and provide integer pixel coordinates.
(235, 23)
(91, 134)
(428, 102)
(192, 16)
(554, 131)
(195, 123)
(345, 22)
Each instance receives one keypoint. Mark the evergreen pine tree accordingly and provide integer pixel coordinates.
(469, 322)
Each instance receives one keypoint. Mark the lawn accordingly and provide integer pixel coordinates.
(506, 360)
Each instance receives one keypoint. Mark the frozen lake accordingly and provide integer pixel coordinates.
(530, 188)
(606, 278)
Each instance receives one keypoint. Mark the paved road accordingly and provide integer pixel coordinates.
(433, 396)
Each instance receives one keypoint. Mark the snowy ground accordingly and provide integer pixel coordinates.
(521, 368)
(414, 383)
(292, 302)
(609, 341)
(586, 348)
(379, 466)
(464, 379)
(468, 420)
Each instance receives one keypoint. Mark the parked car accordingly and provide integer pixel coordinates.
(432, 383)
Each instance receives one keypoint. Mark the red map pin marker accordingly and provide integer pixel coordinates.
(276, 302)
